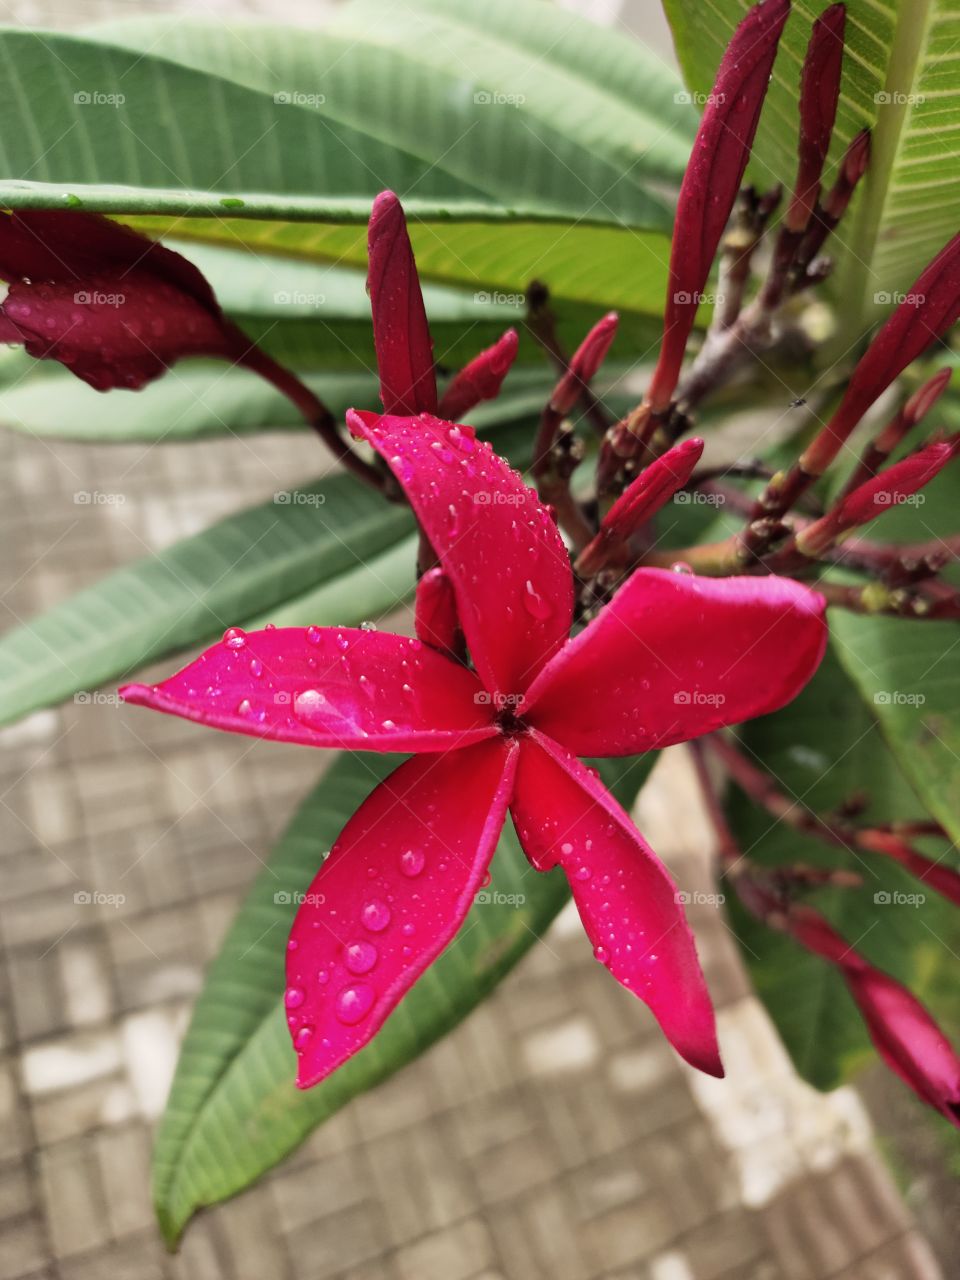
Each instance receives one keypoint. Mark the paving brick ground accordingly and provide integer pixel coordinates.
(554, 1135)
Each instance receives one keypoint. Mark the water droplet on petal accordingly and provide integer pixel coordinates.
(360, 957)
(293, 997)
(302, 1038)
(353, 1003)
(583, 872)
(256, 668)
(601, 954)
(535, 604)
(313, 635)
(412, 861)
(234, 637)
(243, 707)
(681, 566)
(307, 704)
(376, 915)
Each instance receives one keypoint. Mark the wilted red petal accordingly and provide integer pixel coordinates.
(674, 656)
(496, 542)
(872, 498)
(929, 309)
(819, 93)
(481, 379)
(712, 179)
(400, 332)
(643, 498)
(906, 1036)
(327, 687)
(360, 941)
(627, 901)
(436, 612)
(584, 363)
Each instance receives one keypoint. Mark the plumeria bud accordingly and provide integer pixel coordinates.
(889, 489)
(929, 309)
(712, 179)
(401, 335)
(114, 307)
(436, 612)
(819, 94)
(918, 406)
(584, 363)
(904, 1033)
(855, 163)
(481, 379)
(937, 875)
(644, 497)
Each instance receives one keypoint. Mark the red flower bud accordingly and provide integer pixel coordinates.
(113, 306)
(712, 180)
(585, 362)
(930, 308)
(481, 379)
(436, 612)
(871, 499)
(819, 94)
(400, 332)
(644, 497)
(937, 875)
(904, 1033)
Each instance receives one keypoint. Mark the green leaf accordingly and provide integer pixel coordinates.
(571, 185)
(823, 749)
(195, 589)
(902, 80)
(234, 1110)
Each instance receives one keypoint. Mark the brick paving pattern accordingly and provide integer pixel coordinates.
(554, 1135)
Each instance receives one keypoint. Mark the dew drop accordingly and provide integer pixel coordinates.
(360, 957)
(234, 637)
(376, 915)
(601, 954)
(256, 668)
(353, 1003)
(293, 997)
(313, 635)
(412, 861)
(302, 1038)
(681, 566)
(243, 707)
(307, 704)
(583, 872)
(368, 626)
(534, 603)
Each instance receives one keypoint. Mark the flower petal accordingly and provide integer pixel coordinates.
(327, 687)
(436, 612)
(496, 542)
(673, 656)
(393, 892)
(627, 901)
(400, 332)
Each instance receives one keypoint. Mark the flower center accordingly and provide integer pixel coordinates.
(509, 723)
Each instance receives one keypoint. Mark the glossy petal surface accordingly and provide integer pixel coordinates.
(673, 656)
(393, 892)
(627, 901)
(496, 542)
(327, 687)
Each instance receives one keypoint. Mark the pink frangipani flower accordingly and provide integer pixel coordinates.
(671, 656)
